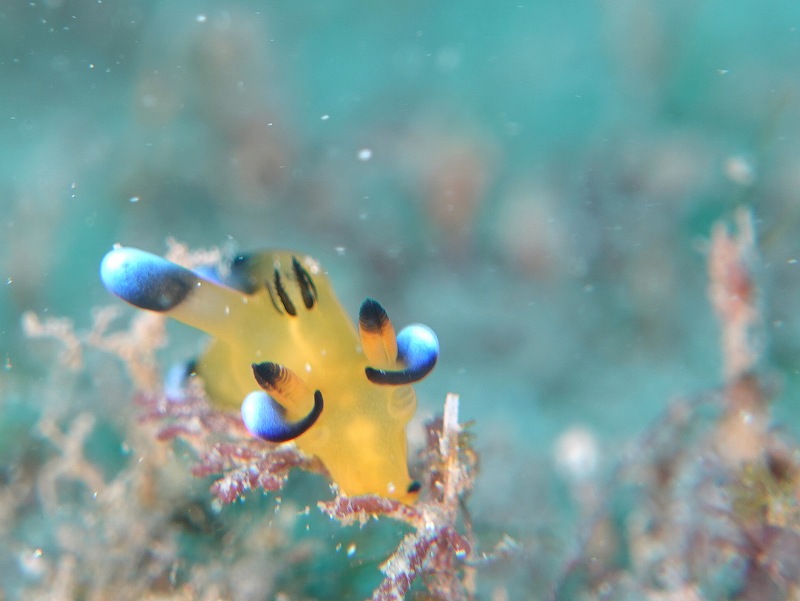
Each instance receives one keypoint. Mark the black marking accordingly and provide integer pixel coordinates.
(145, 280)
(269, 375)
(272, 299)
(307, 288)
(162, 295)
(409, 375)
(287, 303)
(155, 285)
(387, 377)
(415, 486)
(372, 317)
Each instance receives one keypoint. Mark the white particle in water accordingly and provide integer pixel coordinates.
(365, 154)
(740, 170)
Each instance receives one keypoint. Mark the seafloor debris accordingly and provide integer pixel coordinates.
(435, 551)
(710, 491)
(703, 505)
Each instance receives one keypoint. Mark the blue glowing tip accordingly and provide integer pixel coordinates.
(266, 419)
(417, 349)
(145, 280)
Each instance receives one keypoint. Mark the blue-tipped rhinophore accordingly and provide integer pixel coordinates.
(417, 349)
(146, 280)
(265, 418)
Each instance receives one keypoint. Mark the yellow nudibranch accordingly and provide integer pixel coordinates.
(286, 354)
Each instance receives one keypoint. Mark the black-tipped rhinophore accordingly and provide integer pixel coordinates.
(281, 382)
(271, 376)
(378, 339)
(266, 419)
(372, 316)
(146, 280)
(417, 349)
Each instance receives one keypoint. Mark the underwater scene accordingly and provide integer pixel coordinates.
(449, 300)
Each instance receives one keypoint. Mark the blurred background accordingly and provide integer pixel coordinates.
(534, 180)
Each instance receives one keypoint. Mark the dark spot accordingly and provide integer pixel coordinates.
(307, 288)
(287, 303)
(780, 466)
(372, 317)
(273, 300)
(191, 368)
(241, 275)
(162, 294)
(270, 375)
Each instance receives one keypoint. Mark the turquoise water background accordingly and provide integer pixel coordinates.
(534, 180)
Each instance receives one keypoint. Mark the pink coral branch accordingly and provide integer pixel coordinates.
(351, 510)
(223, 446)
(435, 551)
(733, 293)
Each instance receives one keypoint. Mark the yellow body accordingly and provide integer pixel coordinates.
(360, 435)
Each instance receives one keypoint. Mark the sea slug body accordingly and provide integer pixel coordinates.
(285, 354)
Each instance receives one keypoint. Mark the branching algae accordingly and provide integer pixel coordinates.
(286, 354)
